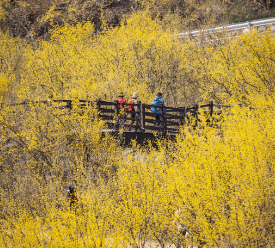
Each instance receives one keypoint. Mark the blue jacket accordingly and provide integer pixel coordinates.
(156, 102)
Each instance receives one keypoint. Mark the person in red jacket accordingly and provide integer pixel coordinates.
(121, 100)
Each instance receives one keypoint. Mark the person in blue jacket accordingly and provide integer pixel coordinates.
(156, 102)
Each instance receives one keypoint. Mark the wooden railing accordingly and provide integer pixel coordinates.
(145, 120)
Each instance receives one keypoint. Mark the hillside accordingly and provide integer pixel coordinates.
(32, 19)
(215, 182)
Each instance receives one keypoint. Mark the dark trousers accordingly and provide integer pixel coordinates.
(157, 120)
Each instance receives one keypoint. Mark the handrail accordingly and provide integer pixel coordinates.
(232, 27)
(167, 120)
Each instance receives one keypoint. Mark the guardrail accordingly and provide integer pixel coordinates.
(233, 27)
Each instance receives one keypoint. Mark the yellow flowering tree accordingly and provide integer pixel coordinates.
(222, 179)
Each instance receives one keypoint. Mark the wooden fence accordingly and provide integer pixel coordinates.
(145, 120)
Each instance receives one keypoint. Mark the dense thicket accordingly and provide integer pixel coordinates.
(138, 56)
(32, 19)
(221, 179)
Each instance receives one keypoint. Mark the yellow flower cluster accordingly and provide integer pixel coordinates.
(222, 179)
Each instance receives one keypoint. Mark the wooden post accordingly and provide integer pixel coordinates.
(185, 114)
(161, 116)
(116, 125)
(98, 104)
(182, 115)
(162, 119)
(211, 108)
(116, 107)
(69, 104)
(138, 116)
(98, 107)
(196, 106)
(143, 116)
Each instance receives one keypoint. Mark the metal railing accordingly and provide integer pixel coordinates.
(233, 27)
